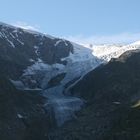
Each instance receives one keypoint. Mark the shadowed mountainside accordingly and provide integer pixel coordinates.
(112, 93)
(22, 116)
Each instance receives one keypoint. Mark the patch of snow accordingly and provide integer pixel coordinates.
(41, 43)
(11, 43)
(39, 60)
(66, 44)
(57, 42)
(40, 66)
(31, 60)
(18, 84)
(12, 35)
(32, 89)
(37, 50)
(117, 103)
(22, 43)
(49, 36)
(137, 43)
(20, 116)
(3, 34)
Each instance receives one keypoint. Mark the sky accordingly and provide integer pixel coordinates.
(95, 21)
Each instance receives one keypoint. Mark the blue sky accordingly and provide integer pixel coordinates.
(82, 20)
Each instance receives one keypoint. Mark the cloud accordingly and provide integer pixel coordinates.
(108, 39)
(25, 25)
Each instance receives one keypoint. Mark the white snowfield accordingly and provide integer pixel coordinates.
(106, 52)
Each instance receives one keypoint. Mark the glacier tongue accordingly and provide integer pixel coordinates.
(61, 107)
(81, 61)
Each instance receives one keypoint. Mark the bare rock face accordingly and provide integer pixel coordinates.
(21, 114)
(60, 49)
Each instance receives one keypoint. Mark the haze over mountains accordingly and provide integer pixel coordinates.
(45, 81)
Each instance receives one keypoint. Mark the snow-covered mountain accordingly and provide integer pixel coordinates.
(106, 52)
(51, 65)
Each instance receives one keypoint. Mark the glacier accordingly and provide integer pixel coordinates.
(60, 104)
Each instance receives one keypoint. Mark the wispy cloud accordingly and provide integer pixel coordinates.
(25, 25)
(108, 39)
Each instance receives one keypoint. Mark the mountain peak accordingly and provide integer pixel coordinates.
(136, 43)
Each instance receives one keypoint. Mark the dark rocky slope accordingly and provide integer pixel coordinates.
(112, 92)
(22, 115)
